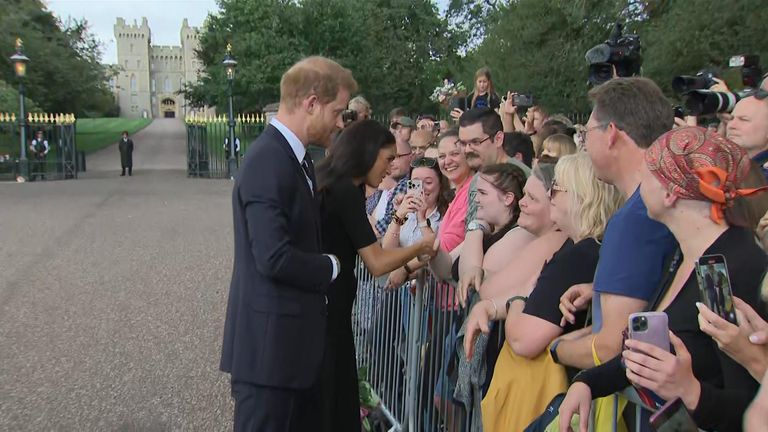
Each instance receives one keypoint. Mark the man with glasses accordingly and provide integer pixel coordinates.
(396, 182)
(481, 135)
(420, 142)
(628, 115)
(748, 127)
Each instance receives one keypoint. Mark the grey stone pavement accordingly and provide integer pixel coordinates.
(113, 294)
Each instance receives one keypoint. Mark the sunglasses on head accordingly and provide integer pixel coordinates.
(424, 162)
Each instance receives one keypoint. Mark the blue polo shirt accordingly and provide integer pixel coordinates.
(762, 160)
(632, 256)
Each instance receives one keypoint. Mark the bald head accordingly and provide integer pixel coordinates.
(749, 125)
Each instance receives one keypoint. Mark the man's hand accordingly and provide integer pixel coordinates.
(509, 107)
(456, 113)
(578, 401)
(577, 298)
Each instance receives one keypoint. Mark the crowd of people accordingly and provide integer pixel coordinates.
(574, 251)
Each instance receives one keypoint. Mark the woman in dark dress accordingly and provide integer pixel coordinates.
(690, 183)
(360, 157)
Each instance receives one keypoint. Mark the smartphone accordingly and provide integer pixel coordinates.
(522, 100)
(673, 417)
(415, 187)
(650, 327)
(715, 286)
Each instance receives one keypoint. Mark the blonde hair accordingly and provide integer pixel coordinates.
(561, 145)
(592, 201)
(484, 71)
(317, 76)
(359, 102)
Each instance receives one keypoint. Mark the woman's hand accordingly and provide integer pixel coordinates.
(396, 279)
(410, 203)
(430, 244)
(478, 320)
(578, 400)
(509, 108)
(456, 113)
(735, 340)
(762, 230)
(472, 278)
(756, 417)
(577, 298)
(666, 374)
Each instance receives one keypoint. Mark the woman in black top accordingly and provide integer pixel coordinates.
(689, 184)
(360, 156)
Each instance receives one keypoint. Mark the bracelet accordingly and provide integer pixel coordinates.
(407, 269)
(397, 219)
(553, 350)
(495, 309)
(524, 299)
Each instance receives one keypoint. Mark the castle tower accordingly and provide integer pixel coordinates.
(133, 82)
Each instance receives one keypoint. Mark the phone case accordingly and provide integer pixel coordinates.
(715, 286)
(650, 327)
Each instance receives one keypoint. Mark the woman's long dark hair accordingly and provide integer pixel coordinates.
(445, 186)
(354, 152)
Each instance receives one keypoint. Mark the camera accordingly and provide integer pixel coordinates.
(348, 116)
(639, 323)
(703, 80)
(619, 52)
(702, 102)
(522, 100)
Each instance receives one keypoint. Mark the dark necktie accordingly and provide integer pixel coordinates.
(309, 170)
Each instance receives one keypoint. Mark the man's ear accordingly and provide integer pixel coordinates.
(519, 156)
(309, 104)
(498, 139)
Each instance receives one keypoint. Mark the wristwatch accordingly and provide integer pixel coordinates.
(477, 225)
(524, 299)
(425, 224)
(553, 351)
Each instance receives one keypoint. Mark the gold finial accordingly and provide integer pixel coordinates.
(19, 44)
(13, 117)
(229, 47)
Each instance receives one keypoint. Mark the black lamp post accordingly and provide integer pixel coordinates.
(230, 64)
(20, 61)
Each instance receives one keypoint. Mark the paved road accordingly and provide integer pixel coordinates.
(112, 296)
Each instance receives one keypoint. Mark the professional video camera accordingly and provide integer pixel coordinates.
(619, 52)
(742, 77)
(348, 116)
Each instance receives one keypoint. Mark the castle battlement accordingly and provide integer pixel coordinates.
(152, 75)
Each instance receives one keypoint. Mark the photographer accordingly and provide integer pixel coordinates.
(361, 106)
(748, 127)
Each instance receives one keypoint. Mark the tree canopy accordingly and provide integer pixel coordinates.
(64, 73)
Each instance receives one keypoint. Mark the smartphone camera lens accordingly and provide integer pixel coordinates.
(640, 323)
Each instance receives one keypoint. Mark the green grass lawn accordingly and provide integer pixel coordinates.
(97, 133)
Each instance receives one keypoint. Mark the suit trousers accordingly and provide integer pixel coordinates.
(270, 409)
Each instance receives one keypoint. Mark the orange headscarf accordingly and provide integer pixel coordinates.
(694, 163)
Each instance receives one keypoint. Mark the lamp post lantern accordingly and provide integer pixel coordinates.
(20, 61)
(230, 64)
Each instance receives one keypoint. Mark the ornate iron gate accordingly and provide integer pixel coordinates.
(60, 161)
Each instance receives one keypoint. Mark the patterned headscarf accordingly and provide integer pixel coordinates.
(696, 164)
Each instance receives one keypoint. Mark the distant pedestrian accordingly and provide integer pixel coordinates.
(227, 150)
(126, 154)
(39, 148)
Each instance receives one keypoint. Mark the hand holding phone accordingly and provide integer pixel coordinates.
(651, 328)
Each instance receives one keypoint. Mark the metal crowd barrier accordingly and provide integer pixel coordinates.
(405, 339)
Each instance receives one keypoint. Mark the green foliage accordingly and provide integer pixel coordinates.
(9, 100)
(395, 48)
(97, 133)
(64, 73)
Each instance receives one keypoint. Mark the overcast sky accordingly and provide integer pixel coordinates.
(164, 16)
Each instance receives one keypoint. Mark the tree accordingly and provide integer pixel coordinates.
(64, 74)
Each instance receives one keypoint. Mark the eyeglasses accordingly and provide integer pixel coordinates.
(473, 143)
(424, 162)
(581, 133)
(554, 187)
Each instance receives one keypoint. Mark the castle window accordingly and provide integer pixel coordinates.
(153, 85)
(126, 64)
(133, 82)
(167, 85)
(138, 64)
(131, 48)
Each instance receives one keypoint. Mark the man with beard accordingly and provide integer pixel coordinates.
(274, 334)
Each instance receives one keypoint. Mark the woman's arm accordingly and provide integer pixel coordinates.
(380, 260)
(528, 335)
(442, 262)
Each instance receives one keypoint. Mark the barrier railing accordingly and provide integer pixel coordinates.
(406, 342)
(58, 130)
(405, 339)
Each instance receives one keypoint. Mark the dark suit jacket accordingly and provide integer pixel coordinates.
(274, 334)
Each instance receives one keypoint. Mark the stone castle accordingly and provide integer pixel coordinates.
(151, 75)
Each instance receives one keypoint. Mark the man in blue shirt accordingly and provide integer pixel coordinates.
(628, 115)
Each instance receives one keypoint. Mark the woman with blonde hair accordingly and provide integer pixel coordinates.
(558, 145)
(483, 95)
(526, 378)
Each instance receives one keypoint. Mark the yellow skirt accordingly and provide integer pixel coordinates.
(520, 390)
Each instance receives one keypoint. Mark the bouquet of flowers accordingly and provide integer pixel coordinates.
(443, 94)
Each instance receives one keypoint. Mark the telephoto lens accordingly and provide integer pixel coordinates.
(702, 102)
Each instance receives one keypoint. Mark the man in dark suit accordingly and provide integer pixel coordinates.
(274, 334)
(126, 153)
